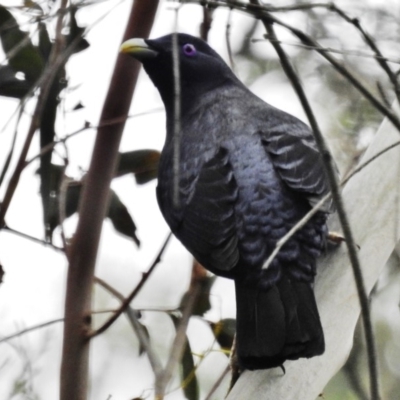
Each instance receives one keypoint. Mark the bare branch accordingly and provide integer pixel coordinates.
(178, 345)
(177, 113)
(31, 238)
(135, 291)
(93, 207)
(294, 229)
(335, 190)
(143, 339)
(206, 24)
(31, 329)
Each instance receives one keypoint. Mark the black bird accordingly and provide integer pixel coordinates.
(247, 173)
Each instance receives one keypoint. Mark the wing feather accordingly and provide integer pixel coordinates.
(208, 225)
(298, 161)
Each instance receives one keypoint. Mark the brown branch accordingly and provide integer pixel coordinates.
(177, 114)
(135, 291)
(206, 23)
(31, 238)
(93, 206)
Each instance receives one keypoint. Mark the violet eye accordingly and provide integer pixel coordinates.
(189, 50)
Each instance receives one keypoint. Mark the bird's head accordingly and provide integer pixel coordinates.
(201, 68)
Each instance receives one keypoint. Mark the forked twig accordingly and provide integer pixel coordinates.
(135, 291)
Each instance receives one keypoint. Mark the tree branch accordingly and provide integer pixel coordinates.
(93, 206)
(370, 197)
(141, 335)
(128, 300)
(344, 220)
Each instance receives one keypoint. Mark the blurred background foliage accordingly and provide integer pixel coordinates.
(348, 120)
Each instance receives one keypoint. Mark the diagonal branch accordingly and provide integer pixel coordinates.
(335, 190)
(143, 339)
(128, 300)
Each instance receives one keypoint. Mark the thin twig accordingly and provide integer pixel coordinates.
(87, 126)
(365, 163)
(335, 190)
(279, 244)
(371, 43)
(228, 40)
(177, 112)
(31, 329)
(284, 239)
(206, 23)
(308, 40)
(43, 325)
(356, 53)
(31, 238)
(262, 12)
(252, 6)
(143, 339)
(178, 344)
(135, 291)
(20, 45)
(218, 383)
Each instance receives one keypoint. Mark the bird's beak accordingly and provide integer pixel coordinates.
(138, 49)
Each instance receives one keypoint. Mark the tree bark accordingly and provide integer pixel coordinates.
(94, 203)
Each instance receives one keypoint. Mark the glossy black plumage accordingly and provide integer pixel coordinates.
(248, 173)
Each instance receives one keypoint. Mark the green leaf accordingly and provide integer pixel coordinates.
(189, 382)
(146, 332)
(44, 41)
(121, 219)
(28, 59)
(10, 85)
(142, 163)
(224, 332)
(75, 31)
(203, 303)
(117, 212)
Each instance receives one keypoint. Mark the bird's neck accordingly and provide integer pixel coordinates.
(193, 97)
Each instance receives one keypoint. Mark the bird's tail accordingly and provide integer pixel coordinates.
(278, 324)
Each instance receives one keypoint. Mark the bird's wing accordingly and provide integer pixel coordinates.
(208, 226)
(297, 160)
